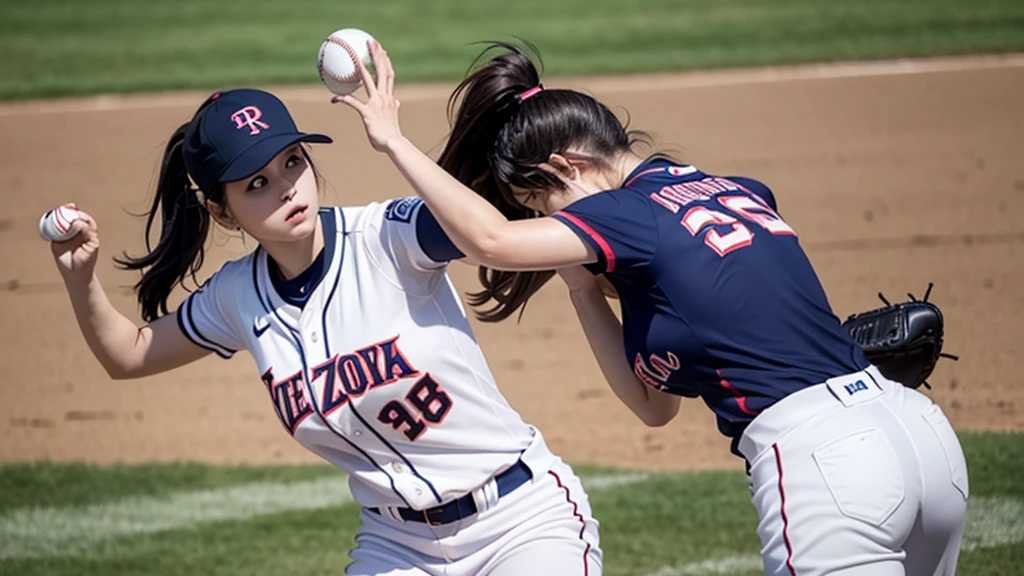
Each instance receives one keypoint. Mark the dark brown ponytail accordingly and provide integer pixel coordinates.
(498, 140)
(184, 224)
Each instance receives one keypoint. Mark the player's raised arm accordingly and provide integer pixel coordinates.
(479, 229)
(124, 349)
(476, 227)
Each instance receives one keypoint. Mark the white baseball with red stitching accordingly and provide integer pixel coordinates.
(338, 56)
(55, 225)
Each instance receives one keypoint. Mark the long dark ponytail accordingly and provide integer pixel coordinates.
(498, 139)
(184, 224)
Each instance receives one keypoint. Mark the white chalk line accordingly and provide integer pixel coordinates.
(597, 84)
(727, 565)
(69, 531)
(73, 531)
(991, 522)
(604, 482)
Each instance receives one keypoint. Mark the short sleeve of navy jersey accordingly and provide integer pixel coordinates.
(618, 224)
(431, 238)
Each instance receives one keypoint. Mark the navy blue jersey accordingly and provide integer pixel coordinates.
(718, 298)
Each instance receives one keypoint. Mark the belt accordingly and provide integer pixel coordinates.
(465, 506)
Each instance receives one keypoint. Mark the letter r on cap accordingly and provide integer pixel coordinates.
(250, 116)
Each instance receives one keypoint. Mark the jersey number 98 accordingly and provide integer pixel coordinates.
(425, 398)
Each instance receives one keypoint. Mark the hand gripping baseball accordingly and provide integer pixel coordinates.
(380, 111)
(76, 257)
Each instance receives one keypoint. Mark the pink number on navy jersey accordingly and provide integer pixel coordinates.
(758, 212)
(699, 218)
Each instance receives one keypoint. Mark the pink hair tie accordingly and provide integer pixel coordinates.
(523, 96)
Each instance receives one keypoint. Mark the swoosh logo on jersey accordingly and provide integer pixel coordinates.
(259, 326)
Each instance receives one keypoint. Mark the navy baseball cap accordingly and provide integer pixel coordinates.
(236, 134)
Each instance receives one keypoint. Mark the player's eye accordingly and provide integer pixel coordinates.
(523, 197)
(293, 161)
(257, 183)
(526, 197)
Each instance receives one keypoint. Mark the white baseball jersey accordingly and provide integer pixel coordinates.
(379, 373)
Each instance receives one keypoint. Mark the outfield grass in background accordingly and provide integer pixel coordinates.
(76, 47)
(196, 519)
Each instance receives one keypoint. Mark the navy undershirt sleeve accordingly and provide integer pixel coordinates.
(433, 239)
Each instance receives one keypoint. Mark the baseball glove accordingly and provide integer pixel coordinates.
(903, 340)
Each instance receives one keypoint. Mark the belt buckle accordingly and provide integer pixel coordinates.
(426, 518)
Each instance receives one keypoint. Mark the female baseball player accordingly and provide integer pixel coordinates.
(851, 473)
(360, 340)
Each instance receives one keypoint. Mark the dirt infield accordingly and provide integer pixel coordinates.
(892, 180)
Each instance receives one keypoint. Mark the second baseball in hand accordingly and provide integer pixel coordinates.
(338, 56)
(55, 225)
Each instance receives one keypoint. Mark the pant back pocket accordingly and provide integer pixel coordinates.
(950, 445)
(863, 474)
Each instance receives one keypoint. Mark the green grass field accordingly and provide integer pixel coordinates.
(68, 47)
(195, 519)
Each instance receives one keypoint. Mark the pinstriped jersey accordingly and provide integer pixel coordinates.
(379, 372)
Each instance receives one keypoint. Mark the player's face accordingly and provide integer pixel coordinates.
(532, 199)
(279, 203)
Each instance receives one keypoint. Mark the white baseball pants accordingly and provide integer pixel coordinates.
(857, 476)
(543, 528)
